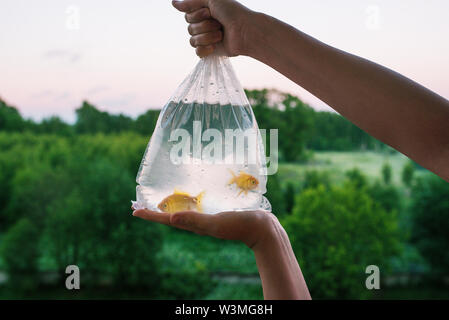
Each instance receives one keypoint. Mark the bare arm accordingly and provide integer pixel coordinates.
(387, 105)
(261, 231)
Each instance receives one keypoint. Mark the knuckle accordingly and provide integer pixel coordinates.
(213, 24)
(193, 42)
(190, 29)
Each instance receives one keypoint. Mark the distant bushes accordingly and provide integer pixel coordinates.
(300, 127)
(430, 221)
(69, 203)
(336, 232)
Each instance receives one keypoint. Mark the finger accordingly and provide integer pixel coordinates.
(198, 15)
(189, 5)
(204, 51)
(193, 221)
(163, 218)
(206, 39)
(205, 26)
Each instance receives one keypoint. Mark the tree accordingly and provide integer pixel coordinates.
(387, 173)
(19, 251)
(290, 194)
(275, 195)
(293, 129)
(146, 123)
(10, 118)
(386, 195)
(315, 178)
(54, 125)
(408, 172)
(336, 233)
(430, 221)
(95, 212)
(356, 177)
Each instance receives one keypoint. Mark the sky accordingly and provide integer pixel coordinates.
(130, 56)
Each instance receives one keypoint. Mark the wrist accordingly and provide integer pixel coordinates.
(268, 233)
(254, 34)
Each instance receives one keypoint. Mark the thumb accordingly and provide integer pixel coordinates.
(189, 5)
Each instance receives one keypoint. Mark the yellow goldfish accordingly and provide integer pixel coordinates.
(181, 201)
(244, 181)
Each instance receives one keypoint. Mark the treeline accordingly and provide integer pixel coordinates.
(300, 126)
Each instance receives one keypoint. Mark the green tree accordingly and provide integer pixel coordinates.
(146, 123)
(293, 129)
(408, 172)
(315, 178)
(430, 221)
(19, 251)
(19, 248)
(290, 194)
(386, 195)
(387, 173)
(54, 125)
(357, 178)
(336, 233)
(95, 211)
(10, 118)
(275, 195)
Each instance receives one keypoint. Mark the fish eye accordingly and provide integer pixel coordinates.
(165, 205)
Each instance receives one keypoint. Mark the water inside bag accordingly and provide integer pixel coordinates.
(206, 153)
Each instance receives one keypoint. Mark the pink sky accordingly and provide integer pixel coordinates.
(130, 56)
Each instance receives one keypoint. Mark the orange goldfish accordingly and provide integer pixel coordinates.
(244, 181)
(181, 201)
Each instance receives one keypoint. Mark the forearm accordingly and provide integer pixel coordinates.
(279, 271)
(388, 106)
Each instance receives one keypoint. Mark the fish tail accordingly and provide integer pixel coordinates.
(199, 201)
(234, 177)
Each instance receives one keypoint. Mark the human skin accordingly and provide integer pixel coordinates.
(387, 105)
(261, 231)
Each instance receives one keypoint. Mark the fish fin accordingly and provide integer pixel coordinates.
(199, 200)
(234, 177)
(240, 193)
(177, 191)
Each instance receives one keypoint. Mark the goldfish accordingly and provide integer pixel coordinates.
(181, 201)
(244, 181)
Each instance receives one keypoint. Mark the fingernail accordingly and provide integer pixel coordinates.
(136, 214)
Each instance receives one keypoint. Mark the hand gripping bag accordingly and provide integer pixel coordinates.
(206, 153)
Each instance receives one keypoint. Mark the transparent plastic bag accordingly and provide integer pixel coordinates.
(206, 153)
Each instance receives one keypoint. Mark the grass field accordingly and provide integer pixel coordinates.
(337, 163)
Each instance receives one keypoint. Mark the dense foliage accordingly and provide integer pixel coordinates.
(65, 192)
(336, 232)
(430, 212)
